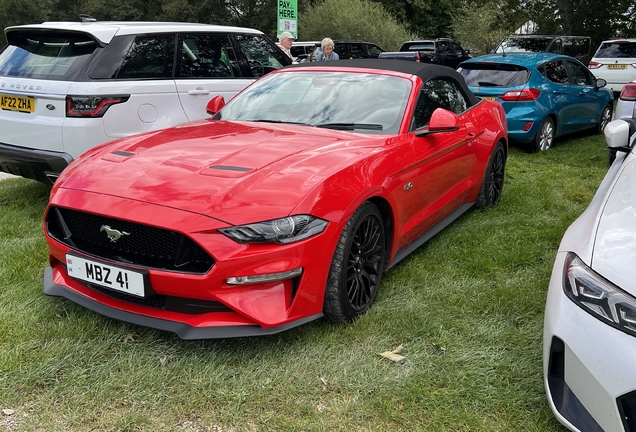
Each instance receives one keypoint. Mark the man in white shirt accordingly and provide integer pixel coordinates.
(286, 40)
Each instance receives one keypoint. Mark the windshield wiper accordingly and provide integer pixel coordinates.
(488, 84)
(350, 126)
(278, 121)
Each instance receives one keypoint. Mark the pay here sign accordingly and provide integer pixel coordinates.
(288, 17)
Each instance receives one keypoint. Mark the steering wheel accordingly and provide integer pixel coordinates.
(257, 67)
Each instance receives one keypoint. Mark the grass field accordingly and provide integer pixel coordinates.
(467, 308)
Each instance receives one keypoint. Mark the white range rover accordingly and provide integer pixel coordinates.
(66, 87)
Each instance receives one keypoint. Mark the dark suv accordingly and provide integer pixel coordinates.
(573, 46)
(351, 50)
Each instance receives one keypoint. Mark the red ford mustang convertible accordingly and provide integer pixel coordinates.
(285, 206)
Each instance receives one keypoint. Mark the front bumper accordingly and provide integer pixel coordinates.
(182, 329)
(588, 366)
(41, 165)
(200, 305)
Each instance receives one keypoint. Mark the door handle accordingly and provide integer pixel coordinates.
(198, 91)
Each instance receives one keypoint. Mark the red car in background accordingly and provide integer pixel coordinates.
(286, 206)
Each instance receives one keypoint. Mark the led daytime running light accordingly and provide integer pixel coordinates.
(245, 280)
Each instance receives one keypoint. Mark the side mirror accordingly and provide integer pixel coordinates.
(442, 120)
(215, 105)
(620, 134)
(600, 83)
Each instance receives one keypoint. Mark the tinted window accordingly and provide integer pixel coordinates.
(207, 56)
(356, 50)
(373, 50)
(579, 74)
(576, 46)
(616, 50)
(418, 46)
(149, 56)
(262, 56)
(555, 47)
(341, 49)
(46, 55)
(457, 49)
(437, 93)
(444, 47)
(555, 72)
(494, 75)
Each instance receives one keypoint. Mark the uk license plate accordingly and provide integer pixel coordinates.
(17, 103)
(106, 275)
(617, 66)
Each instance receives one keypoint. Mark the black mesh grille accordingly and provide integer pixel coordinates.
(138, 244)
(174, 304)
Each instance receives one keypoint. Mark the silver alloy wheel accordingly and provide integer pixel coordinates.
(606, 117)
(546, 135)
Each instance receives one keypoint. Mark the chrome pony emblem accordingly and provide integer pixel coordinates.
(113, 234)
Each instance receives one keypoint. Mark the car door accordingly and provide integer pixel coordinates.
(591, 101)
(207, 67)
(436, 180)
(564, 97)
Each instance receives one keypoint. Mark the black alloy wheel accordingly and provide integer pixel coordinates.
(357, 266)
(492, 185)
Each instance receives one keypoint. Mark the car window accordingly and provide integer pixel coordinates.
(457, 49)
(576, 46)
(341, 49)
(373, 50)
(616, 50)
(149, 56)
(356, 50)
(46, 55)
(207, 56)
(437, 93)
(262, 56)
(579, 73)
(494, 74)
(369, 103)
(555, 71)
(443, 47)
(555, 46)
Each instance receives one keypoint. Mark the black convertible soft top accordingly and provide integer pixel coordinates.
(425, 71)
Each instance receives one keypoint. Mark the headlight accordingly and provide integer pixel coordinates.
(598, 296)
(285, 230)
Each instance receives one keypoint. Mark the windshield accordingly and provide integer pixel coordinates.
(616, 50)
(523, 44)
(46, 55)
(364, 102)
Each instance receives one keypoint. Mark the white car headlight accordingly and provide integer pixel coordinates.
(284, 230)
(598, 296)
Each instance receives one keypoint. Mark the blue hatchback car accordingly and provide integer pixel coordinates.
(544, 95)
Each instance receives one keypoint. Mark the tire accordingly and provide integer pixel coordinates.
(606, 117)
(492, 185)
(357, 266)
(544, 137)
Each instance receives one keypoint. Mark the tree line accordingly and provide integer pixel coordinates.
(477, 24)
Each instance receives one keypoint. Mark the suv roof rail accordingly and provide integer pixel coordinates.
(86, 18)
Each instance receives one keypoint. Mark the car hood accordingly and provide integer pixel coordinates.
(232, 171)
(615, 244)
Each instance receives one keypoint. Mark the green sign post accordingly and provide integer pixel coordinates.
(288, 17)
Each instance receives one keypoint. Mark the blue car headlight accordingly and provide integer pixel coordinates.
(284, 230)
(598, 296)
